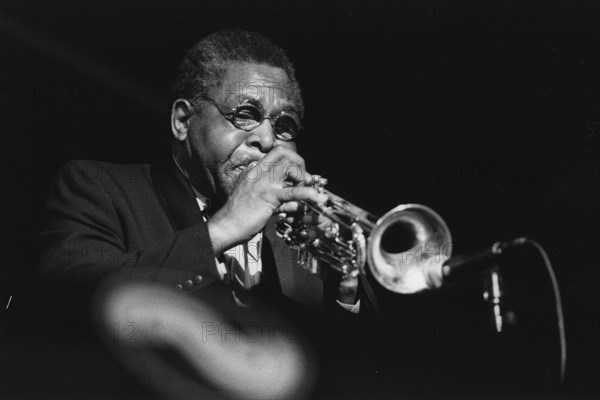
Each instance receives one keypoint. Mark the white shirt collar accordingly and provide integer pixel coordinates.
(200, 198)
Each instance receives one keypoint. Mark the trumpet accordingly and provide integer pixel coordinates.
(404, 250)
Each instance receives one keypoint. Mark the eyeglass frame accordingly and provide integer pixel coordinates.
(272, 118)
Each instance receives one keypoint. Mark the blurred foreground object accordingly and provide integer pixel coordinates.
(183, 347)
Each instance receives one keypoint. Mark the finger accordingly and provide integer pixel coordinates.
(315, 219)
(296, 174)
(291, 164)
(321, 229)
(300, 193)
(349, 281)
(348, 287)
(292, 207)
(283, 153)
(316, 232)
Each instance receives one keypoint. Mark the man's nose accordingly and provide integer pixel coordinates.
(262, 137)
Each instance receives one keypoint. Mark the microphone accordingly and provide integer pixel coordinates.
(457, 267)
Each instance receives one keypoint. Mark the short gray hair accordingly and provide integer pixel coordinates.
(204, 65)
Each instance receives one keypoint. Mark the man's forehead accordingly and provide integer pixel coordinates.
(261, 82)
(255, 72)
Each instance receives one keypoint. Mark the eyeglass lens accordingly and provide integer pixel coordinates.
(250, 114)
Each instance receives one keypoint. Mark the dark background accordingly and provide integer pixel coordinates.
(488, 113)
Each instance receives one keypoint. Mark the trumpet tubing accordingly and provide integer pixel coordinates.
(403, 250)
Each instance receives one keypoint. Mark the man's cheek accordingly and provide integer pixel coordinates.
(288, 145)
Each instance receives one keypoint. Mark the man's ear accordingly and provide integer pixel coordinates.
(181, 112)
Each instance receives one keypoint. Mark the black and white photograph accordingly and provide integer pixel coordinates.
(299, 199)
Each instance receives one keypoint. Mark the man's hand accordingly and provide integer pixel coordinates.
(348, 290)
(261, 191)
(275, 184)
(347, 287)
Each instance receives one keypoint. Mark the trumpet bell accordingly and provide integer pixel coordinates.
(407, 247)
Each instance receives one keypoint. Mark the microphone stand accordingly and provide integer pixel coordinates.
(488, 260)
(492, 294)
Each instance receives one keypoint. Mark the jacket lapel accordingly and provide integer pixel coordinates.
(176, 195)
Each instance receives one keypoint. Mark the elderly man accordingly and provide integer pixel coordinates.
(204, 217)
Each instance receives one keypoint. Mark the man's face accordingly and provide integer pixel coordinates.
(220, 152)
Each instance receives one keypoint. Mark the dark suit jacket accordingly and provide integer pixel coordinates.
(143, 221)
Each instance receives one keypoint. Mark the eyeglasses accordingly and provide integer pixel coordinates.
(250, 113)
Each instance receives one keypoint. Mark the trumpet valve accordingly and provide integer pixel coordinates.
(318, 182)
(332, 231)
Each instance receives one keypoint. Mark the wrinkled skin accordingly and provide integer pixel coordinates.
(253, 174)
